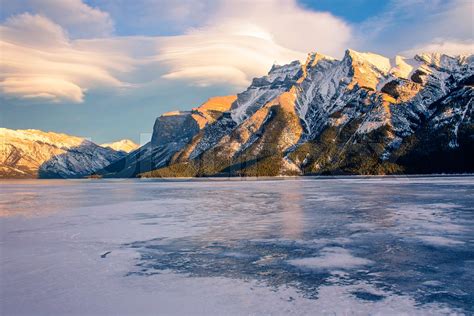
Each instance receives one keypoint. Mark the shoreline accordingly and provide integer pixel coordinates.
(262, 178)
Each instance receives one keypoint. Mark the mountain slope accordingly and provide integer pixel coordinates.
(34, 153)
(363, 114)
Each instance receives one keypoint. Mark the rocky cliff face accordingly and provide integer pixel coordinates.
(33, 154)
(171, 133)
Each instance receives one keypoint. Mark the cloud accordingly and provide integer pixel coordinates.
(452, 48)
(40, 61)
(239, 40)
(211, 57)
(157, 17)
(288, 24)
(33, 30)
(242, 39)
(63, 48)
(410, 25)
(79, 19)
(42, 87)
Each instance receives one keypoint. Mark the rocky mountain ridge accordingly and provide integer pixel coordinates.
(33, 153)
(363, 114)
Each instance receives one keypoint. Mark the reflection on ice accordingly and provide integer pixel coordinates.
(380, 245)
(440, 241)
(331, 257)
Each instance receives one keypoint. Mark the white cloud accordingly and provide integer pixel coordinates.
(289, 25)
(42, 87)
(211, 57)
(67, 47)
(33, 30)
(242, 39)
(452, 48)
(411, 25)
(204, 76)
(79, 19)
(40, 61)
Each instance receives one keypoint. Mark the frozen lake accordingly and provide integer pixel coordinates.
(298, 246)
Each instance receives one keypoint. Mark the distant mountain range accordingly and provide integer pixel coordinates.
(34, 153)
(364, 114)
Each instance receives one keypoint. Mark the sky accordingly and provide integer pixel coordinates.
(105, 69)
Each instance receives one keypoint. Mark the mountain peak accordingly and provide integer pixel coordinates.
(174, 113)
(378, 61)
(279, 68)
(440, 60)
(32, 153)
(125, 145)
(314, 57)
(213, 108)
(218, 103)
(33, 135)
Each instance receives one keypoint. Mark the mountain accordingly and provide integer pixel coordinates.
(171, 133)
(125, 145)
(33, 153)
(363, 114)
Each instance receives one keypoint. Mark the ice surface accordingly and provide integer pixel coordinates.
(331, 257)
(440, 241)
(357, 246)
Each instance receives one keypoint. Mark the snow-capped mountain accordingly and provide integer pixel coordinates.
(34, 153)
(363, 114)
(125, 145)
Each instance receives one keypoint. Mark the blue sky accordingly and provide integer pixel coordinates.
(106, 69)
(354, 11)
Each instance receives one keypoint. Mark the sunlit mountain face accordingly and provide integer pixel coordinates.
(34, 153)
